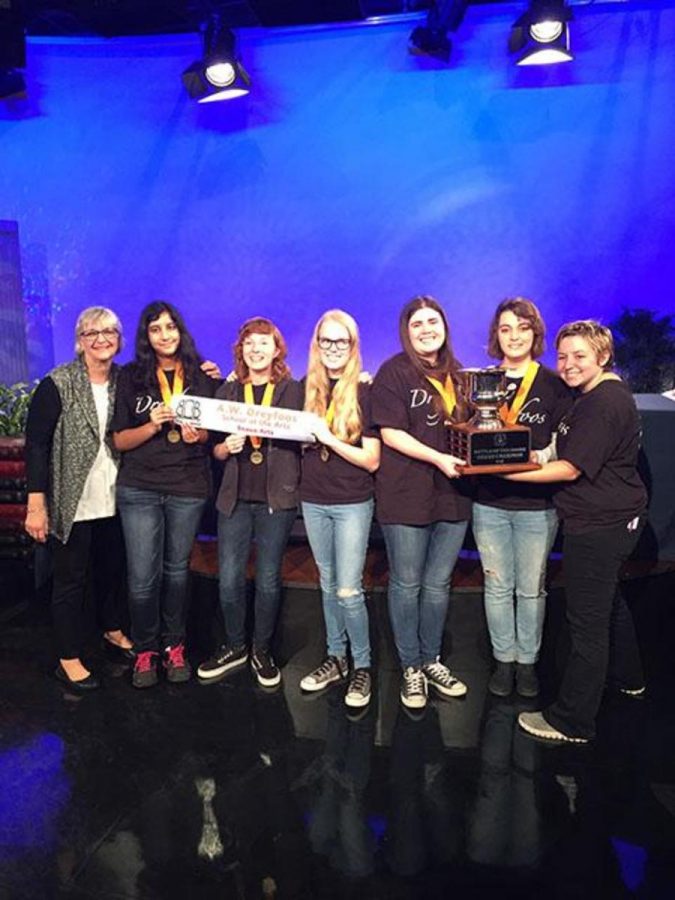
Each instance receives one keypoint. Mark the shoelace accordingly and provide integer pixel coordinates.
(415, 682)
(326, 667)
(176, 656)
(359, 682)
(144, 661)
(442, 673)
(263, 660)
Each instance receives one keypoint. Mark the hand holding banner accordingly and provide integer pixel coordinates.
(231, 417)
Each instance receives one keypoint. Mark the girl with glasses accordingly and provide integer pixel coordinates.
(337, 492)
(162, 489)
(257, 501)
(515, 524)
(421, 506)
(71, 473)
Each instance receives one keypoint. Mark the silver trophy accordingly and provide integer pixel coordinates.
(486, 443)
(487, 392)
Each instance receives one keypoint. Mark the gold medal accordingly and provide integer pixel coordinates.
(173, 436)
(324, 453)
(256, 457)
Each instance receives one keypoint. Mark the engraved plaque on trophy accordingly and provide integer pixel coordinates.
(486, 442)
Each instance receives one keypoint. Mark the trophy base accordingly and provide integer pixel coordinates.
(497, 452)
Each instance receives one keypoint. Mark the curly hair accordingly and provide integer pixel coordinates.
(145, 361)
(598, 336)
(347, 423)
(261, 325)
(523, 309)
(447, 365)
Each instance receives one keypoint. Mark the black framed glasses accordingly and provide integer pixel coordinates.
(340, 344)
(108, 334)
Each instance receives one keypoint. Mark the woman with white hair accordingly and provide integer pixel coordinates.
(71, 473)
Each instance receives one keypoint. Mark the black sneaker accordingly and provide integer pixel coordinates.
(359, 690)
(413, 688)
(265, 669)
(145, 669)
(501, 682)
(527, 683)
(332, 669)
(225, 660)
(442, 680)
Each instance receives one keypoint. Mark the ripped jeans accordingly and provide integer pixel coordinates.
(338, 536)
(514, 545)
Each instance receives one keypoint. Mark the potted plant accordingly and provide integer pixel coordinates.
(644, 345)
(14, 402)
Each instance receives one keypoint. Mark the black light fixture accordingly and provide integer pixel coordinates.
(218, 75)
(431, 39)
(541, 36)
(12, 50)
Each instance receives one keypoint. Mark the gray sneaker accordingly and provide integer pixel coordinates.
(413, 688)
(536, 725)
(441, 678)
(332, 669)
(359, 690)
(145, 669)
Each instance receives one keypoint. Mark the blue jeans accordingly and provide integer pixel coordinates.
(270, 530)
(421, 560)
(338, 535)
(159, 530)
(514, 545)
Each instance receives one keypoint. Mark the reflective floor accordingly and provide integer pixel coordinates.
(226, 791)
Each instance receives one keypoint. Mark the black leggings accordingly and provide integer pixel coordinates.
(602, 633)
(96, 544)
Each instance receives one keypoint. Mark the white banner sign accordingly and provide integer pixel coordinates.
(244, 418)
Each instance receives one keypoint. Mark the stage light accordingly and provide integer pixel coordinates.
(431, 39)
(541, 36)
(218, 75)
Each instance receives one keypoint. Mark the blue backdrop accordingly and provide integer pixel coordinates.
(353, 175)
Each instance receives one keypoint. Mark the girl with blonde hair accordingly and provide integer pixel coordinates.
(337, 492)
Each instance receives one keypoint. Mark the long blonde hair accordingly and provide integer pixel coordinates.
(347, 424)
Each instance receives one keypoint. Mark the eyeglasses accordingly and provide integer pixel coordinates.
(340, 344)
(108, 334)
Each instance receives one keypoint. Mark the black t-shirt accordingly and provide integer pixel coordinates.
(260, 483)
(158, 465)
(601, 437)
(336, 480)
(409, 491)
(252, 477)
(548, 400)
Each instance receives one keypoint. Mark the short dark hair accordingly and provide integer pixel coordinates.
(523, 309)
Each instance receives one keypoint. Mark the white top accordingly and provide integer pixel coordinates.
(98, 497)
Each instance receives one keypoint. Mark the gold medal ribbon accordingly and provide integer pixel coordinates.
(256, 440)
(447, 392)
(510, 416)
(166, 392)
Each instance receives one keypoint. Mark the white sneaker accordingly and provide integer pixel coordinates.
(441, 678)
(332, 669)
(413, 688)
